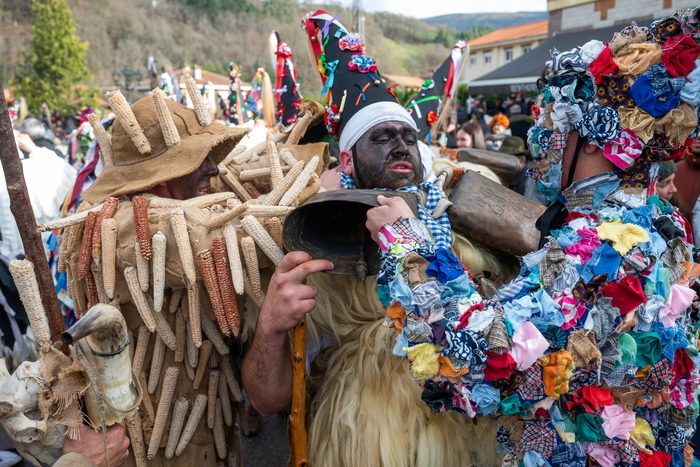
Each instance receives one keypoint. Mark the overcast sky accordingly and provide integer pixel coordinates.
(428, 8)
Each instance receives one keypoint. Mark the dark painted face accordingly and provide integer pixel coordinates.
(387, 156)
(193, 184)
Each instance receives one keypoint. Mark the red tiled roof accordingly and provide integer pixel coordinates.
(538, 28)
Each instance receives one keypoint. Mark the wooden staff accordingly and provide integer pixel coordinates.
(297, 419)
(21, 209)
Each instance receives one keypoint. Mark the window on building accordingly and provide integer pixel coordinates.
(526, 48)
(487, 58)
(509, 54)
(472, 60)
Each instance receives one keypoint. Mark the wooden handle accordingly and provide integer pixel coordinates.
(297, 419)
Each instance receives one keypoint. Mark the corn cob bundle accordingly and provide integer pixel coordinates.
(139, 299)
(208, 270)
(274, 226)
(235, 185)
(258, 210)
(165, 332)
(207, 200)
(220, 219)
(239, 149)
(300, 183)
(99, 284)
(123, 111)
(109, 255)
(212, 332)
(25, 279)
(258, 233)
(176, 424)
(103, 140)
(86, 246)
(251, 175)
(251, 260)
(91, 286)
(234, 257)
(200, 404)
(107, 211)
(158, 243)
(223, 273)
(179, 225)
(139, 206)
(288, 158)
(249, 153)
(166, 399)
(278, 191)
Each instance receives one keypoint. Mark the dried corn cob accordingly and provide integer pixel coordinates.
(121, 109)
(86, 246)
(189, 370)
(208, 270)
(165, 332)
(217, 221)
(180, 337)
(258, 233)
(99, 284)
(79, 299)
(192, 350)
(257, 298)
(223, 272)
(274, 226)
(156, 202)
(138, 445)
(251, 190)
(203, 364)
(141, 348)
(167, 125)
(234, 258)
(232, 181)
(214, 360)
(251, 261)
(276, 194)
(156, 365)
(107, 211)
(194, 314)
(231, 380)
(25, 279)
(158, 242)
(147, 403)
(200, 404)
(175, 298)
(258, 148)
(143, 235)
(213, 334)
(225, 401)
(182, 238)
(211, 396)
(75, 219)
(288, 158)
(176, 424)
(102, 139)
(219, 437)
(109, 255)
(200, 107)
(302, 180)
(142, 268)
(250, 175)
(258, 210)
(239, 149)
(299, 128)
(208, 200)
(91, 287)
(139, 299)
(166, 398)
(68, 243)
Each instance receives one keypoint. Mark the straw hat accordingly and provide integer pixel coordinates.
(152, 145)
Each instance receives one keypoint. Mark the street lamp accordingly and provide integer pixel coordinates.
(127, 74)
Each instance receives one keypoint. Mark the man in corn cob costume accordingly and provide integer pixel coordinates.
(588, 357)
(144, 241)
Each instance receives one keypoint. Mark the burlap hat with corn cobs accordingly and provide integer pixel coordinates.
(156, 140)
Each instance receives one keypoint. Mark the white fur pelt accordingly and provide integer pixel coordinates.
(366, 409)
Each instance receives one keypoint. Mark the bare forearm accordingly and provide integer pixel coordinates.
(267, 372)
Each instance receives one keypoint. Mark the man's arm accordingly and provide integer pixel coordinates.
(267, 368)
(89, 450)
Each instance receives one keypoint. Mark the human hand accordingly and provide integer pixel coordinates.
(389, 210)
(91, 445)
(330, 179)
(288, 298)
(25, 142)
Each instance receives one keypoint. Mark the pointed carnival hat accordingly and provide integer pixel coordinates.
(427, 106)
(287, 93)
(157, 140)
(356, 96)
(635, 97)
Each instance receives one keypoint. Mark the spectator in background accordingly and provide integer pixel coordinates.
(37, 131)
(665, 187)
(519, 122)
(498, 131)
(470, 135)
(521, 183)
(687, 180)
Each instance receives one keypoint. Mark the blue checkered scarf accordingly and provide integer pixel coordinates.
(440, 227)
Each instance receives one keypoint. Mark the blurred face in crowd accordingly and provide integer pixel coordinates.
(665, 188)
(464, 139)
(498, 128)
(386, 156)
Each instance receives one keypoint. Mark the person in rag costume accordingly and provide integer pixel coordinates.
(589, 355)
(354, 377)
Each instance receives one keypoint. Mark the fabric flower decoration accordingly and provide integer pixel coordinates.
(428, 84)
(623, 150)
(599, 123)
(603, 65)
(679, 55)
(439, 395)
(565, 62)
(362, 63)
(352, 41)
(617, 422)
(431, 118)
(331, 118)
(283, 50)
(445, 266)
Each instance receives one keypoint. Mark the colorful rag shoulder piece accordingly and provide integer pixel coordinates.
(593, 347)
